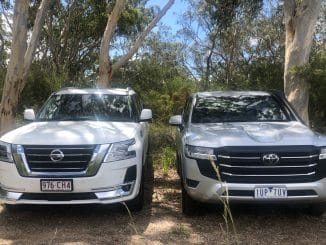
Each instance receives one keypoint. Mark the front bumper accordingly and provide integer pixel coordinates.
(208, 190)
(109, 185)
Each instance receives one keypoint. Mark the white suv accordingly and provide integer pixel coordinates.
(84, 146)
(248, 147)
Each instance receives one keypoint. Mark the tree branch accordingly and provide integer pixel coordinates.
(124, 59)
(40, 16)
(113, 19)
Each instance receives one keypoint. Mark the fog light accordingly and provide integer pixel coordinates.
(116, 191)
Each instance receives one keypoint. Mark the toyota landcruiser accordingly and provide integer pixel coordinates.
(248, 147)
(84, 146)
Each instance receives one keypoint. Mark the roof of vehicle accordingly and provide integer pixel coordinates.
(117, 91)
(231, 93)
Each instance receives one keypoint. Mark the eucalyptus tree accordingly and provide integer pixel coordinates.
(224, 27)
(158, 76)
(216, 32)
(300, 19)
(5, 32)
(20, 60)
(106, 66)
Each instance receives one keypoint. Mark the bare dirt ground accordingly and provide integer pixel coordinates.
(161, 222)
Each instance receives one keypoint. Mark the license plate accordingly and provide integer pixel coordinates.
(270, 192)
(56, 185)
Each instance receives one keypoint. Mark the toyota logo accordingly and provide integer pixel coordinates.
(271, 159)
(56, 155)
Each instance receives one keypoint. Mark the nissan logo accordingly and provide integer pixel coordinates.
(56, 155)
(270, 159)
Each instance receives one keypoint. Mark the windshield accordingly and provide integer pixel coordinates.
(238, 109)
(97, 107)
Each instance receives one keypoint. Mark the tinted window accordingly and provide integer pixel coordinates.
(238, 109)
(99, 107)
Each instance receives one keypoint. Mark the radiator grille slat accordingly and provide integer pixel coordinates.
(76, 158)
(245, 164)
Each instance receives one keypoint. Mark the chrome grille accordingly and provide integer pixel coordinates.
(76, 158)
(245, 164)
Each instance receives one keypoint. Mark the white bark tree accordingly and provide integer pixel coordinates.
(106, 70)
(300, 20)
(20, 60)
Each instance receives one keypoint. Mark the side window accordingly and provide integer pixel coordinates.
(186, 111)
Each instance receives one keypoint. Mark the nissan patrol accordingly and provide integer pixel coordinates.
(84, 146)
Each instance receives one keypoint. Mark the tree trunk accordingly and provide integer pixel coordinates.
(106, 70)
(20, 61)
(300, 20)
(9, 98)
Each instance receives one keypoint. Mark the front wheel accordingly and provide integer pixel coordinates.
(189, 205)
(137, 203)
(12, 207)
(317, 209)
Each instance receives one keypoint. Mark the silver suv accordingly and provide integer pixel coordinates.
(84, 146)
(248, 147)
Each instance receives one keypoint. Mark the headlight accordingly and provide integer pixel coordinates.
(199, 152)
(120, 151)
(322, 154)
(5, 152)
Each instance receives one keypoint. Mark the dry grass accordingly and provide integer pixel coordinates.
(161, 222)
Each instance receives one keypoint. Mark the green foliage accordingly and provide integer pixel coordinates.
(69, 44)
(162, 143)
(161, 135)
(237, 42)
(134, 18)
(41, 83)
(263, 75)
(316, 75)
(224, 12)
(165, 158)
(166, 104)
(245, 40)
(159, 79)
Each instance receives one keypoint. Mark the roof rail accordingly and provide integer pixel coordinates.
(64, 88)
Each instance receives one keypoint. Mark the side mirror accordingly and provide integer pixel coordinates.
(145, 115)
(176, 120)
(29, 114)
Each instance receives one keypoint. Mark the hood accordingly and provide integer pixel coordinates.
(252, 134)
(71, 133)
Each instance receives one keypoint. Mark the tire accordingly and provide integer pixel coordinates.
(177, 162)
(317, 209)
(12, 207)
(137, 204)
(189, 205)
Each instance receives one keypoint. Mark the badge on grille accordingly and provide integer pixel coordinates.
(56, 155)
(270, 159)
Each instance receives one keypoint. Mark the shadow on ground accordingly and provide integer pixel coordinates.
(160, 222)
